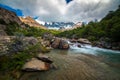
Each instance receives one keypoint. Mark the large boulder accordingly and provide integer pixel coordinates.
(56, 43)
(63, 44)
(85, 41)
(59, 43)
(36, 65)
(73, 40)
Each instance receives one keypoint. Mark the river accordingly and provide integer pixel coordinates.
(85, 63)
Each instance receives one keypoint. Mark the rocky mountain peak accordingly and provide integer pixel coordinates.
(31, 22)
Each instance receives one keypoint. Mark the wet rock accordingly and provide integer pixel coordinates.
(73, 40)
(36, 65)
(79, 45)
(54, 66)
(56, 43)
(63, 45)
(44, 58)
(60, 44)
(85, 41)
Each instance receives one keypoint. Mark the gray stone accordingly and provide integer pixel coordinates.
(36, 65)
(44, 58)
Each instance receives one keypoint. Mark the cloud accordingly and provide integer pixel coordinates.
(60, 10)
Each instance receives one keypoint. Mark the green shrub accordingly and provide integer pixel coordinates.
(92, 38)
(35, 49)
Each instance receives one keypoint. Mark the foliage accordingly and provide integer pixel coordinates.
(35, 49)
(14, 27)
(11, 28)
(108, 27)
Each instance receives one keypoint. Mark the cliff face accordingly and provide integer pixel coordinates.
(6, 18)
(9, 16)
(31, 22)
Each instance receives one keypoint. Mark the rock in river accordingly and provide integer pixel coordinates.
(56, 43)
(44, 58)
(36, 65)
(59, 43)
(85, 41)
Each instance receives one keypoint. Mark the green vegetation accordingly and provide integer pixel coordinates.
(13, 28)
(108, 27)
(19, 51)
(12, 64)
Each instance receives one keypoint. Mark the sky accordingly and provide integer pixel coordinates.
(17, 11)
(63, 10)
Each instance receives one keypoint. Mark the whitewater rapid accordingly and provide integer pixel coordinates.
(86, 48)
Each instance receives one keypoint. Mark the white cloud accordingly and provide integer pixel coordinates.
(58, 10)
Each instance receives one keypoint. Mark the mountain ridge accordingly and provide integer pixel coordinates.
(31, 22)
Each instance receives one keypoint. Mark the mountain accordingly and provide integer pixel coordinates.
(75, 26)
(8, 19)
(58, 25)
(78, 24)
(11, 25)
(31, 22)
(9, 16)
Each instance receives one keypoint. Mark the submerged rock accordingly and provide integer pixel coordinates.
(44, 58)
(36, 65)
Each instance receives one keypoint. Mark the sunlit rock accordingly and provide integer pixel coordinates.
(36, 65)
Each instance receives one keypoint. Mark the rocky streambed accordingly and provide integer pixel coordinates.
(76, 66)
(82, 62)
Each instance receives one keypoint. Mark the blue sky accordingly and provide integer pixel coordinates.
(67, 1)
(62, 10)
(17, 11)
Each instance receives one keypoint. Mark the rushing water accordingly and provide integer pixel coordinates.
(85, 63)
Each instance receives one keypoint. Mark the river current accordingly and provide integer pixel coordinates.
(85, 63)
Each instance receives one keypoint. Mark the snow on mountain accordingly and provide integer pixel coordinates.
(40, 22)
